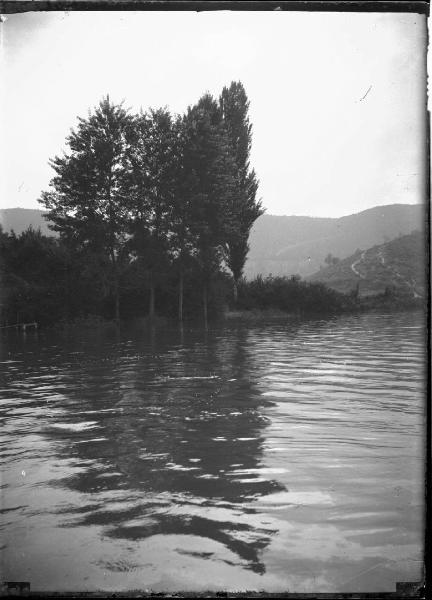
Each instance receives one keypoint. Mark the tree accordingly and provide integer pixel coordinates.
(210, 174)
(154, 168)
(245, 208)
(331, 260)
(87, 201)
(32, 277)
(182, 244)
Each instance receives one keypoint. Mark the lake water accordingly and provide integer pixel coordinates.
(286, 456)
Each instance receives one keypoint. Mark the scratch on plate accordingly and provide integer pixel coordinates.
(370, 87)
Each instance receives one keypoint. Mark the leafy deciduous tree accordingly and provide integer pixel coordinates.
(87, 201)
(154, 167)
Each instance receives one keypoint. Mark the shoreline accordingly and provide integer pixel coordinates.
(95, 323)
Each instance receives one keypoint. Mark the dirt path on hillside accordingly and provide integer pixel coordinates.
(355, 263)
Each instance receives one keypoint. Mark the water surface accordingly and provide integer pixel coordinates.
(279, 457)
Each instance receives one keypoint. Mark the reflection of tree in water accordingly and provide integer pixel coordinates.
(190, 448)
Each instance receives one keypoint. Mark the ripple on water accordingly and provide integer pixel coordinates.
(279, 456)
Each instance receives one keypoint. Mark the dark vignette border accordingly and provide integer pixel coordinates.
(19, 6)
(16, 6)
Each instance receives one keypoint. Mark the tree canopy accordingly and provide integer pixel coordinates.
(156, 194)
(245, 207)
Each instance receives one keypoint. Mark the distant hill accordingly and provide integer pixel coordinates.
(398, 264)
(20, 219)
(284, 245)
(288, 245)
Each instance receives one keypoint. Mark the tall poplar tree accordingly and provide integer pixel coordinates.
(87, 200)
(210, 173)
(245, 208)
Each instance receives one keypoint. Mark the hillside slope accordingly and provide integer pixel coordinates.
(284, 245)
(398, 264)
(288, 245)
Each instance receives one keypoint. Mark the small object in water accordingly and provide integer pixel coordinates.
(16, 588)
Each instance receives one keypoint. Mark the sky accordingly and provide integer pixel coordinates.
(337, 100)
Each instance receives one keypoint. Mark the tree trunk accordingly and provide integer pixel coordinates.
(117, 302)
(69, 271)
(235, 290)
(180, 305)
(205, 305)
(153, 338)
(116, 287)
(67, 293)
(152, 298)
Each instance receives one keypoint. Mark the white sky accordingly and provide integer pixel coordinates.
(318, 149)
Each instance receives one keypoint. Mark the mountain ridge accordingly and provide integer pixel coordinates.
(290, 244)
(298, 245)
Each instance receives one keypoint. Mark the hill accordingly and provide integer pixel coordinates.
(282, 245)
(395, 265)
(287, 245)
(20, 219)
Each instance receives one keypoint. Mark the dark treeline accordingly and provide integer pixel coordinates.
(44, 282)
(153, 213)
(291, 294)
(157, 194)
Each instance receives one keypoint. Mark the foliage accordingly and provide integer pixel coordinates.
(32, 275)
(291, 294)
(43, 282)
(149, 208)
(87, 202)
(331, 260)
(154, 176)
(245, 208)
(154, 192)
